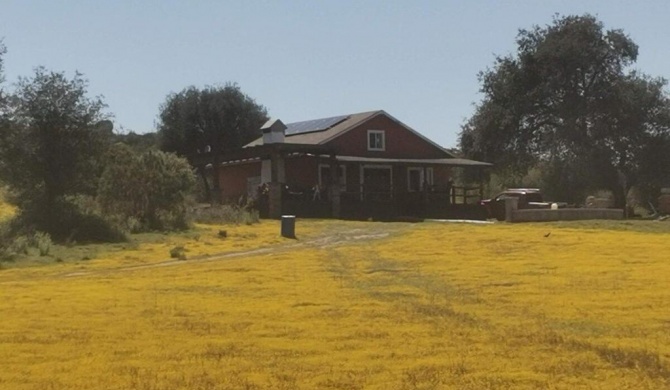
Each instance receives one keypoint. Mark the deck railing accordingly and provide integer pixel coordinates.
(389, 201)
(465, 195)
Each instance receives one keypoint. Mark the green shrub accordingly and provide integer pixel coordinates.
(251, 217)
(133, 225)
(82, 221)
(19, 245)
(232, 214)
(11, 248)
(171, 220)
(69, 219)
(5, 241)
(178, 252)
(41, 241)
(149, 190)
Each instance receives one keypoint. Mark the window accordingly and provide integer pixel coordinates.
(376, 140)
(414, 179)
(430, 177)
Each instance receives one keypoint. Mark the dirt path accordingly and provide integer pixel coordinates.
(334, 238)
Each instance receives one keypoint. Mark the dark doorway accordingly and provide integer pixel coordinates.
(377, 183)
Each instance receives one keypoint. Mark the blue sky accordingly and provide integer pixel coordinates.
(418, 60)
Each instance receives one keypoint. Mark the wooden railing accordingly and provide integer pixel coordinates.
(450, 194)
(453, 194)
(465, 195)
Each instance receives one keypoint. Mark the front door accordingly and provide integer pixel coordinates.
(376, 183)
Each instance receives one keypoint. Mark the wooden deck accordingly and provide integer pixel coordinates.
(454, 203)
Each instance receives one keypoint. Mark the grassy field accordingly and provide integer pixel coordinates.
(349, 306)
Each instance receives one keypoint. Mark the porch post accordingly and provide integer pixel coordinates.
(215, 193)
(480, 176)
(424, 193)
(335, 187)
(275, 195)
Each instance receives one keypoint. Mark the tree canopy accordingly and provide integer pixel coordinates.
(3, 102)
(214, 119)
(52, 145)
(3, 50)
(138, 141)
(567, 102)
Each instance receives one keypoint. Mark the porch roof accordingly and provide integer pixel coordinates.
(454, 162)
(254, 153)
(259, 152)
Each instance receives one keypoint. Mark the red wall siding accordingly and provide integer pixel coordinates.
(441, 174)
(302, 171)
(353, 177)
(233, 179)
(400, 142)
(399, 178)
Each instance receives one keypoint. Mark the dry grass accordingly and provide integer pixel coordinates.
(432, 306)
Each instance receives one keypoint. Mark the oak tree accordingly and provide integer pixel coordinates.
(51, 147)
(210, 120)
(567, 102)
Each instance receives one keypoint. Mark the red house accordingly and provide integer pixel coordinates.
(358, 165)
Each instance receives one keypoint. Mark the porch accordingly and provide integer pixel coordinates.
(389, 189)
(453, 202)
(313, 181)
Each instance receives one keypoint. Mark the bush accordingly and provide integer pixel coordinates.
(178, 252)
(41, 241)
(70, 219)
(84, 222)
(20, 245)
(146, 191)
(225, 214)
(4, 240)
(133, 225)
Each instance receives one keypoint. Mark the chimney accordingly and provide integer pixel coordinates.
(273, 132)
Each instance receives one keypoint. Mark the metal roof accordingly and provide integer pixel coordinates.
(322, 136)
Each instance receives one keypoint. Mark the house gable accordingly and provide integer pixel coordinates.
(321, 136)
(399, 141)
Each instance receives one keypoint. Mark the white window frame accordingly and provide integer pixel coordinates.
(343, 178)
(421, 179)
(430, 176)
(383, 138)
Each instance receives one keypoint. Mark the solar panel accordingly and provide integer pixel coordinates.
(314, 125)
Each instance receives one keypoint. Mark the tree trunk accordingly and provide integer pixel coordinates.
(205, 183)
(619, 198)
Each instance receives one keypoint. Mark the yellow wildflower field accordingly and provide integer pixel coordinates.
(351, 305)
